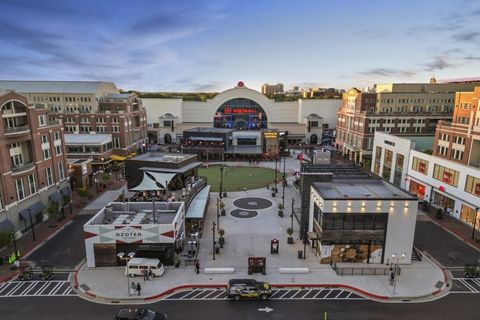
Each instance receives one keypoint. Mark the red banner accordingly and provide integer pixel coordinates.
(447, 177)
(477, 189)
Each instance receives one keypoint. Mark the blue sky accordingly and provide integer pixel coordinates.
(195, 45)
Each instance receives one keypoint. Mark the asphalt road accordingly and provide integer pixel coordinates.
(66, 249)
(454, 306)
(443, 246)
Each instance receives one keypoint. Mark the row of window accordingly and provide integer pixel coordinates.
(436, 100)
(57, 99)
(23, 192)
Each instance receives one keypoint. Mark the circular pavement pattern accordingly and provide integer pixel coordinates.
(240, 213)
(252, 203)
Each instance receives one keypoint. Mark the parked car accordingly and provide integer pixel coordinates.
(248, 288)
(136, 267)
(139, 314)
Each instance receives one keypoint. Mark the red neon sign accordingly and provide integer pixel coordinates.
(477, 188)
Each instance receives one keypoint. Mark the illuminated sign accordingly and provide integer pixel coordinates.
(447, 177)
(270, 135)
(239, 110)
(477, 188)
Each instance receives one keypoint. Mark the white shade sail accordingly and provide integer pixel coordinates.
(147, 184)
(162, 177)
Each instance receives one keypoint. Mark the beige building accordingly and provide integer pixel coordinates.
(272, 88)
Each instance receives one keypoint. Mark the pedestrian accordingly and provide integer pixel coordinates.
(145, 274)
(139, 288)
(134, 288)
(150, 274)
(197, 267)
(392, 278)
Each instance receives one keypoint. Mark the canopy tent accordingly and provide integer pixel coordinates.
(162, 177)
(117, 157)
(147, 184)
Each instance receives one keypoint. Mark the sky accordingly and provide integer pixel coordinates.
(197, 45)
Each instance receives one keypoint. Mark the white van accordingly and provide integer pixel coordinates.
(135, 267)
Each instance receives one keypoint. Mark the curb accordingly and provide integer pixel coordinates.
(457, 234)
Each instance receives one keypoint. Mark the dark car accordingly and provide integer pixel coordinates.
(248, 288)
(139, 314)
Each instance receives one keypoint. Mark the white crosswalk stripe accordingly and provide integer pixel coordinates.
(36, 288)
(465, 285)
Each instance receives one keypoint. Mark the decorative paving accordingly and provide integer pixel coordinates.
(240, 213)
(251, 203)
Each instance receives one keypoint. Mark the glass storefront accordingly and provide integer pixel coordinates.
(468, 215)
(417, 189)
(442, 201)
(240, 114)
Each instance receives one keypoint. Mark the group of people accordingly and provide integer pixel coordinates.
(136, 288)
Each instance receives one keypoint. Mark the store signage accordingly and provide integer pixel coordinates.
(239, 110)
(477, 189)
(447, 177)
(441, 188)
(389, 143)
(270, 135)
(128, 234)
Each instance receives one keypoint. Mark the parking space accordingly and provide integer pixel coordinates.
(66, 249)
(36, 288)
(278, 294)
(443, 246)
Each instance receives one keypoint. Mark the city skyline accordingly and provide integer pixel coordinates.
(211, 45)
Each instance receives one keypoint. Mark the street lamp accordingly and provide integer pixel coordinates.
(395, 260)
(220, 192)
(474, 223)
(31, 224)
(121, 256)
(213, 237)
(291, 216)
(284, 183)
(218, 213)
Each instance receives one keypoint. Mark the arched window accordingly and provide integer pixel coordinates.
(240, 114)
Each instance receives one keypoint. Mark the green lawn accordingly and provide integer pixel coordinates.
(236, 178)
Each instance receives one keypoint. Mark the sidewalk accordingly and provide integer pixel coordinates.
(246, 237)
(48, 228)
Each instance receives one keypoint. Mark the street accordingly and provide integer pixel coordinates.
(454, 306)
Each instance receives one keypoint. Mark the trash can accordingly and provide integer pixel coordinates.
(300, 254)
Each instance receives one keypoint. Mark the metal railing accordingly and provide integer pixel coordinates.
(363, 271)
(23, 167)
(16, 129)
(202, 183)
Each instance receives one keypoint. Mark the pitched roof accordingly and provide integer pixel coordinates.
(73, 87)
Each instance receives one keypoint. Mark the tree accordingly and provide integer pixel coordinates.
(52, 210)
(5, 238)
(290, 232)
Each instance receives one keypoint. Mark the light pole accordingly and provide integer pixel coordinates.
(284, 183)
(291, 216)
(218, 213)
(395, 260)
(31, 224)
(474, 223)
(121, 256)
(220, 192)
(213, 229)
(276, 161)
(14, 242)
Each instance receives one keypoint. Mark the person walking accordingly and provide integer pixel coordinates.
(197, 267)
(134, 288)
(150, 274)
(139, 288)
(145, 274)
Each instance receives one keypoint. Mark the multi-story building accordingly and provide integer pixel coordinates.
(407, 110)
(89, 107)
(33, 163)
(272, 88)
(459, 140)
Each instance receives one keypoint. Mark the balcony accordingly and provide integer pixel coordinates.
(54, 122)
(18, 169)
(16, 131)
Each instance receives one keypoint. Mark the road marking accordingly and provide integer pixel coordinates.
(468, 285)
(284, 294)
(35, 288)
(24, 292)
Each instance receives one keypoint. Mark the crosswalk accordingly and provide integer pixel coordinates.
(36, 288)
(465, 285)
(279, 294)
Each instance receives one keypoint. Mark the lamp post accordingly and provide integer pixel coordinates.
(395, 260)
(121, 256)
(474, 223)
(284, 183)
(213, 229)
(276, 161)
(218, 213)
(14, 242)
(220, 192)
(31, 224)
(291, 216)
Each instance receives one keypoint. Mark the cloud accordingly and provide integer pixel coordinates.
(472, 58)
(466, 36)
(440, 63)
(388, 72)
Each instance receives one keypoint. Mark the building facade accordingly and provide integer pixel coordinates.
(407, 110)
(241, 109)
(268, 89)
(33, 163)
(89, 107)
(458, 140)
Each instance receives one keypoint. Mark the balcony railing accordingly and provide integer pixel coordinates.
(17, 129)
(53, 122)
(23, 167)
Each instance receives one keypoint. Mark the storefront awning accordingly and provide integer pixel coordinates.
(162, 178)
(117, 158)
(147, 184)
(65, 191)
(133, 154)
(6, 226)
(35, 209)
(54, 196)
(213, 139)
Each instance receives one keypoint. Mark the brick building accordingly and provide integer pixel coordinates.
(408, 110)
(459, 140)
(32, 163)
(89, 107)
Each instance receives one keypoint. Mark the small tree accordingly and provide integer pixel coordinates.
(280, 210)
(290, 233)
(52, 210)
(221, 240)
(222, 209)
(5, 238)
